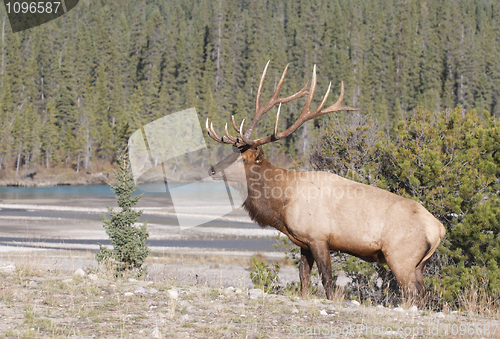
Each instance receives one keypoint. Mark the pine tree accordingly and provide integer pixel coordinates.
(128, 239)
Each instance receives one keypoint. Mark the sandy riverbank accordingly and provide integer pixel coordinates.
(76, 224)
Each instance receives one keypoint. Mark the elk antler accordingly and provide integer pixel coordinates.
(305, 115)
(259, 111)
(213, 135)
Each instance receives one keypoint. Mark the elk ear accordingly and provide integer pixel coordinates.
(260, 155)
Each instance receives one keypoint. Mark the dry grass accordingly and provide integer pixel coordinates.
(41, 303)
(199, 259)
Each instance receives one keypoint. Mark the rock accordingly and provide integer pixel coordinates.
(350, 303)
(413, 309)
(238, 291)
(185, 317)
(132, 280)
(153, 290)
(173, 294)
(343, 281)
(440, 315)
(67, 280)
(398, 309)
(295, 310)
(379, 282)
(92, 277)
(323, 312)
(8, 268)
(155, 333)
(79, 273)
(128, 294)
(255, 293)
(380, 306)
(230, 289)
(140, 289)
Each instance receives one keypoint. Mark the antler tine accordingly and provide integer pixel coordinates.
(276, 123)
(234, 124)
(337, 106)
(259, 91)
(212, 134)
(208, 132)
(246, 140)
(318, 109)
(305, 109)
(260, 110)
(233, 139)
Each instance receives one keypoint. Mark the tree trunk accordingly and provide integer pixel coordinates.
(88, 148)
(19, 157)
(3, 40)
(219, 45)
(78, 164)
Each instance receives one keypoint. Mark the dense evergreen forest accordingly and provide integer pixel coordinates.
(73, 90)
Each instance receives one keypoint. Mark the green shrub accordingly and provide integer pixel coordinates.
(128, 239)
(263, 276)
(450, 163)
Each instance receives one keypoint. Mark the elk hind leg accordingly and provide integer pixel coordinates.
(420, 276)
(321, 254)
(406, 275)
(305, 264)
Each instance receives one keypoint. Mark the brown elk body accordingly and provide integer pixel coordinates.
(321, 211)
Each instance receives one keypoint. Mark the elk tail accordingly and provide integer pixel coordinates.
(433, 247)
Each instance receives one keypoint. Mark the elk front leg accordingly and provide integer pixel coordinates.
(321, 255)
(305, 265)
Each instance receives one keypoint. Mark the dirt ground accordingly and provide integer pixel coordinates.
(194, 296)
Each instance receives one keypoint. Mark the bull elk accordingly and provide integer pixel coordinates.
(322, 212)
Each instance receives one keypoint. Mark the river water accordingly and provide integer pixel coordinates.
(202, 204)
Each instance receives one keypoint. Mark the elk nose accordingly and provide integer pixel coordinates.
(211, 171)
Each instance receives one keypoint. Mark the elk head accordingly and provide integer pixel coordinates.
(252, 156)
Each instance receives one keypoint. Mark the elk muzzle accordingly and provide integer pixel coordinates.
(212, 172)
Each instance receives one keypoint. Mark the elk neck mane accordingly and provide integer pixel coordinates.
(266, 200)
